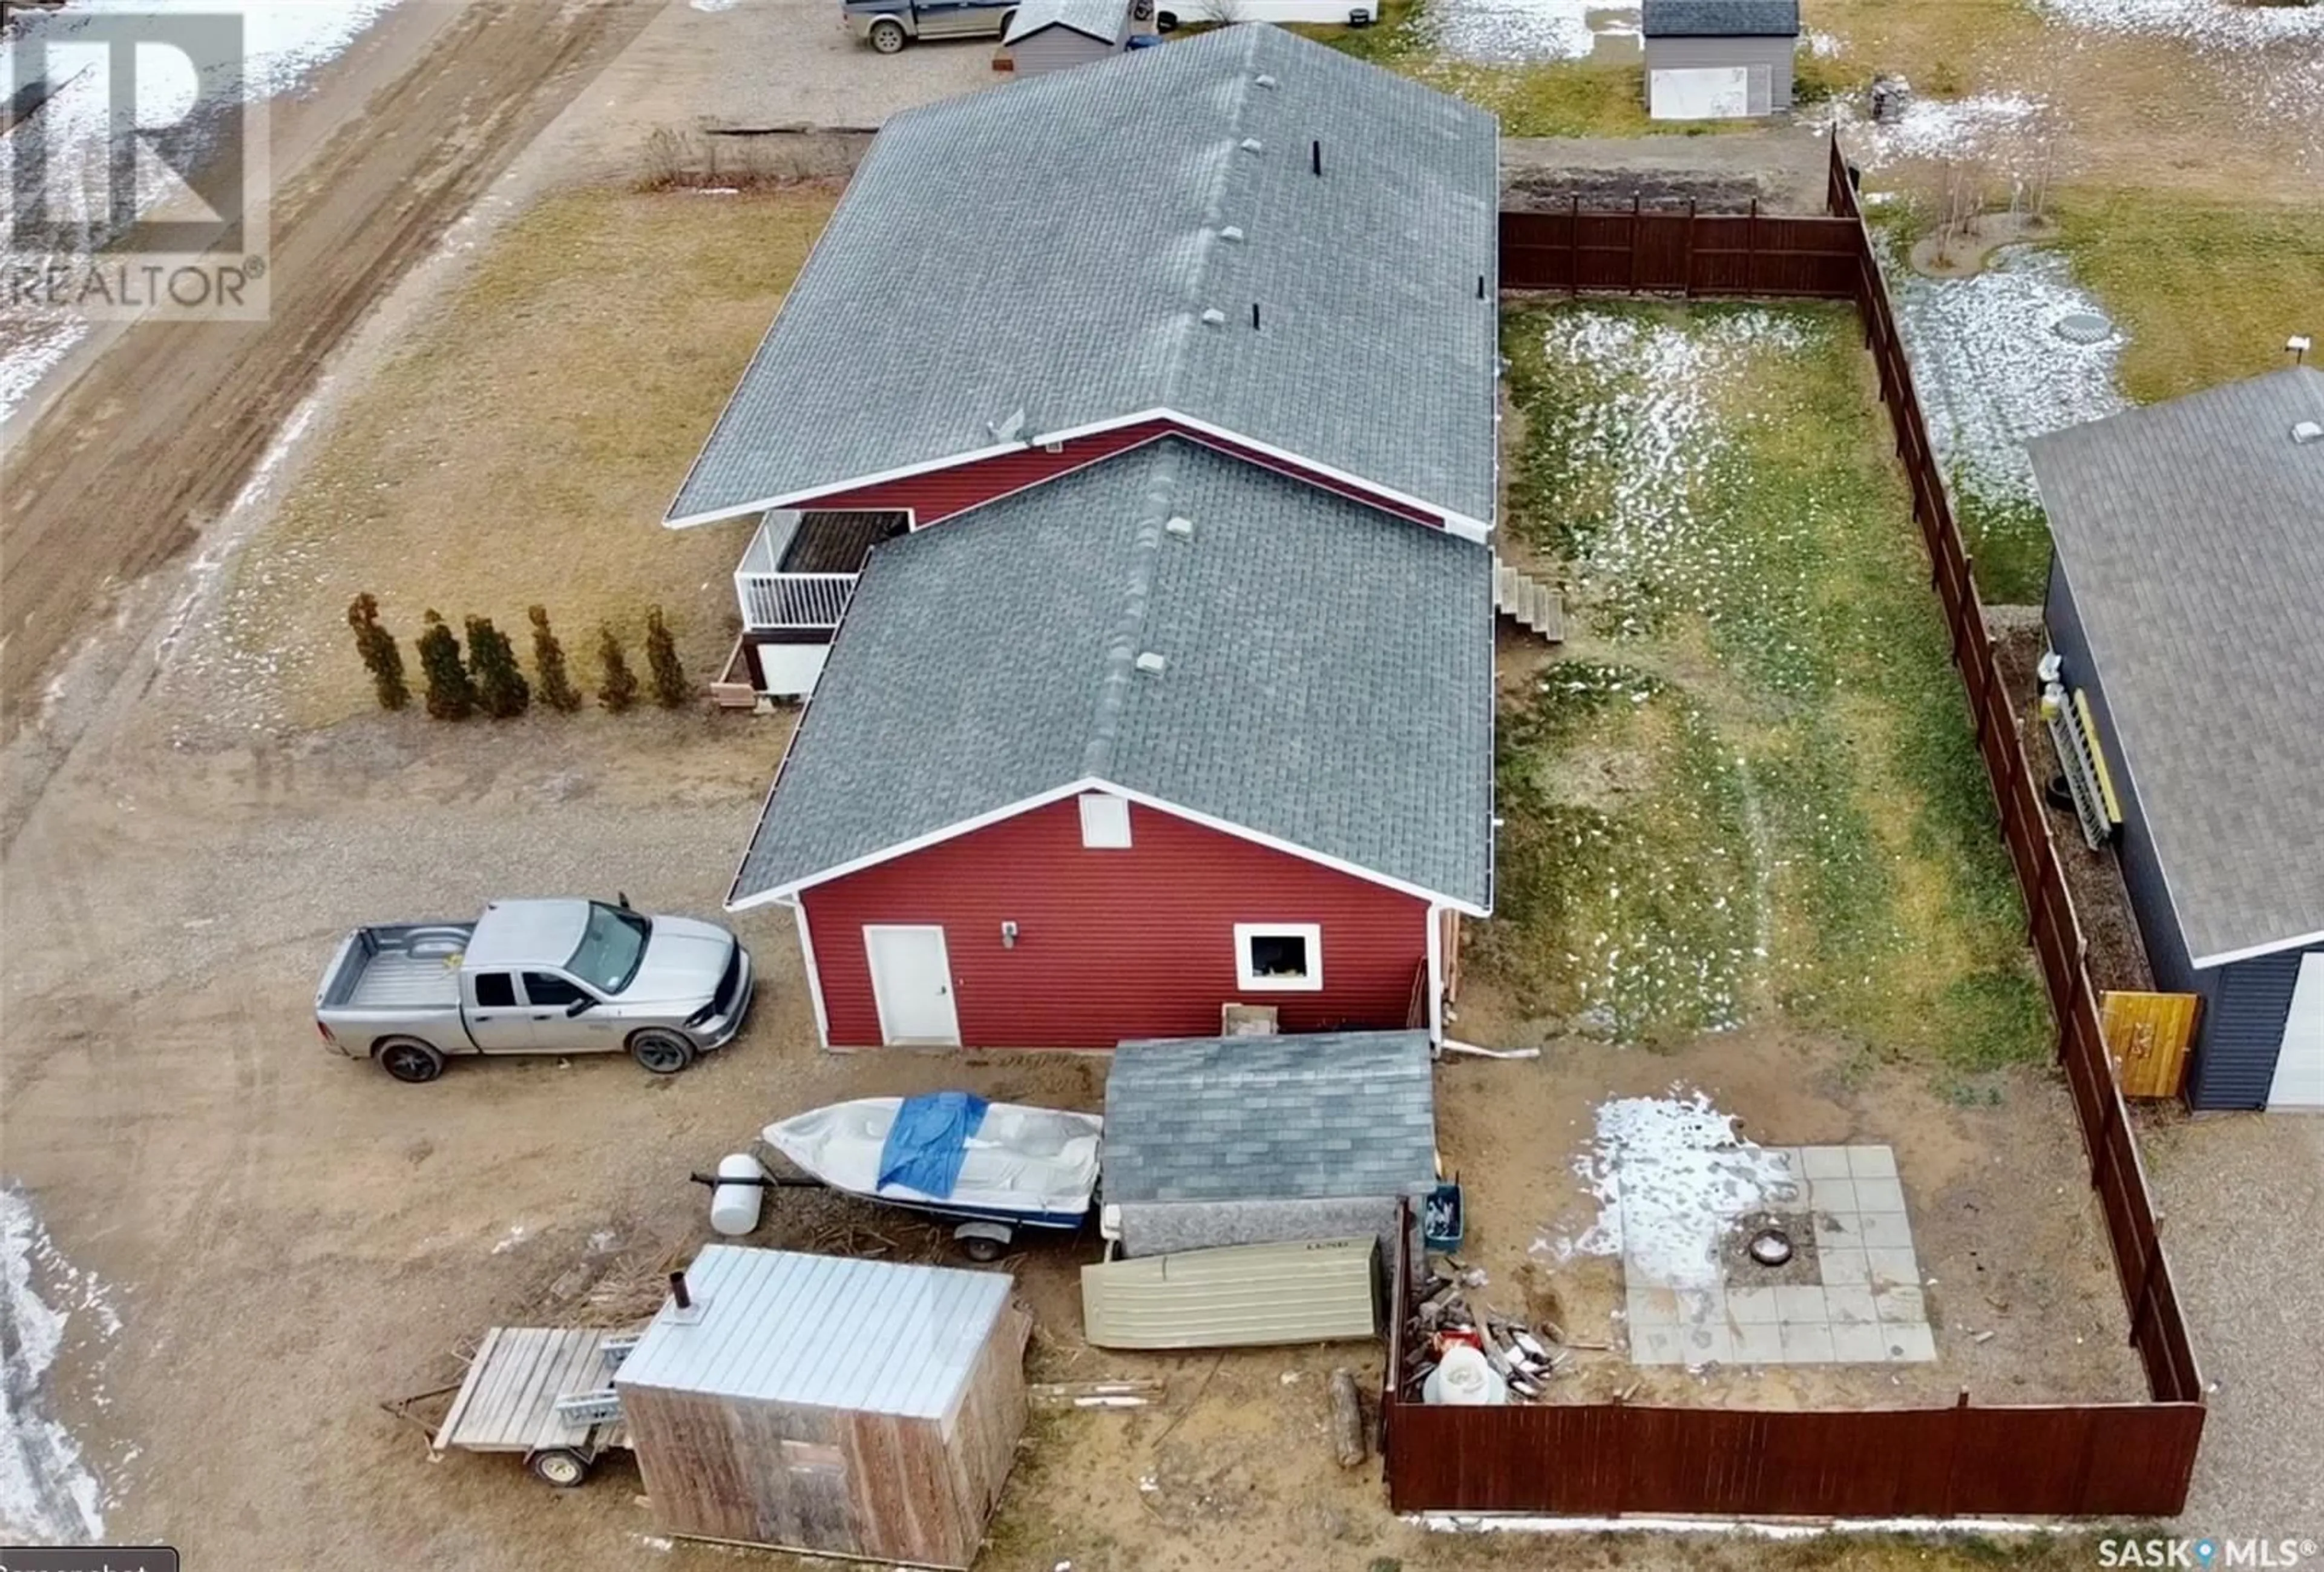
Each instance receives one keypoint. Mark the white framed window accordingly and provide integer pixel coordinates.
(1280, 956)
(1105, 821)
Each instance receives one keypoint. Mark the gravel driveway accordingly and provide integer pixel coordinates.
(2243, 1201)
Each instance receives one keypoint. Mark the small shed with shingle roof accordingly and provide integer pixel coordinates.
(866, 1408)
(1719, 59)
(1048, 36)
(1217, 1141)
(2186, 592)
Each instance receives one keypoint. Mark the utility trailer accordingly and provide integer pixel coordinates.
(544, 1391)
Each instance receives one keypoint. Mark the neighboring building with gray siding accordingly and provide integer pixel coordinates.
(1217, 1141)
(2184, 601)
(1718, 58)
(1050, 35)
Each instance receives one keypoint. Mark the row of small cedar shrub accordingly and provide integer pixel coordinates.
(487, 679)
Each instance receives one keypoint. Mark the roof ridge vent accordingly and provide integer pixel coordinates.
(2305, 432)
(1231, 232)
(1150, 662)
(1179, 524)
(1251, 144)
(1214, 316)
(1265, 78)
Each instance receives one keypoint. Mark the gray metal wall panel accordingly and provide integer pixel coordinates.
(1052, 49)
(2247, 1006)
(1694, 53)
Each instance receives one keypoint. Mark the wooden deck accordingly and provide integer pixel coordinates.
(508, 1401)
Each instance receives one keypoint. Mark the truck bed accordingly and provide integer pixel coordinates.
(412, 967)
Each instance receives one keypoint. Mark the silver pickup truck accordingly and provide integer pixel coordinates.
(535, 976)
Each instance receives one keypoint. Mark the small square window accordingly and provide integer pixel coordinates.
(1280, 956)
(1105, 821)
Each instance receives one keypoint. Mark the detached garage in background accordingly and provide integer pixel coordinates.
(1048, 36)
(2186, 609)
(1719, 59)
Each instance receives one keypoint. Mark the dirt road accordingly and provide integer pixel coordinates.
(159, 435)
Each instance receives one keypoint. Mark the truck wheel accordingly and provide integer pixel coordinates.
(560, 1467)
(409, 1059)
(665, 1053)
(887, 37)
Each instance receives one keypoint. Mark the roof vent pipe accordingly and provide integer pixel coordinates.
(1214, 316)
(678, 1295)
(1481, 286)
(1231, 232)
(1316, 154)
(1264, 79)
(1254, 315)
(1151, 662)
(1179, 524)
(1251, 144)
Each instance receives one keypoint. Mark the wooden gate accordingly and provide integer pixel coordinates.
(2147, 1036)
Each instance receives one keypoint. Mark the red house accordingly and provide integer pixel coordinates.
(1172, 732)
(1123, 468)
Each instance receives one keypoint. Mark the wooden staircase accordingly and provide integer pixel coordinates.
(1528, 602)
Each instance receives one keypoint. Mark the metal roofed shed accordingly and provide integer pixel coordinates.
(853, 1407)
(1224, 1140)
(2184, 603)
(1719, 59)
(1048, 36)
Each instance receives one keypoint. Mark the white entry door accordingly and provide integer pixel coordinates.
(2299, 1064)
(911, 978)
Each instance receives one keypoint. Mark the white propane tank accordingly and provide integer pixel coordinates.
(734, 1208)
(1465, 1377)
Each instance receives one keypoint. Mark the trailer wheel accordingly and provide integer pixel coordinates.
(665, 1053)
(982, 1250)
(558, 1467)
(887, 37)
(409, 1059)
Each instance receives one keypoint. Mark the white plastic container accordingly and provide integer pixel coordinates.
(734, 1208)
(1464, 1378)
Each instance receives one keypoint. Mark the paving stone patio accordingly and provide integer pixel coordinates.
(1862, 1303)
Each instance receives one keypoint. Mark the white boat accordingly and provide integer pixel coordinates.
(1025, 1167)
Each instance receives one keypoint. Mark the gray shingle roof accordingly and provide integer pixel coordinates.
(1329, 678)
(2191, 534)
(1105, 20)
(1050, 248)
(1270, 1118)
(1721, 19)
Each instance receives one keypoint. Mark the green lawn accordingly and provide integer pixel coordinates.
(1751, 785)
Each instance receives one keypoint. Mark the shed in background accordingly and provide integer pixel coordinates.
(1048, 36)
(850, 1408)
(1215, 1141)
(1719, 59)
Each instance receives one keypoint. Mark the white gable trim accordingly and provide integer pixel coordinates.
(784, 892)
(814, 975)
(2253, 952)
(794, 498)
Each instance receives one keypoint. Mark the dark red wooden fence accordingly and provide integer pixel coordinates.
(2132, 1459)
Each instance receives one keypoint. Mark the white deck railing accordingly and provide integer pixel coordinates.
(771, 600)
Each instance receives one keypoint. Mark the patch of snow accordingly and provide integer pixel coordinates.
(1985, 125)
(1991, 371)
(2217, 22)
(1671, 1176)
(1524, 29)
(714, 6)
(48, 1493)
(1822, 46)
(511, 1239)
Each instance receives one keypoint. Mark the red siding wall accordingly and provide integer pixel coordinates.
(1114, 944)
(942, 493)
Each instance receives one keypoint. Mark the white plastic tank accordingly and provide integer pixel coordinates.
(1465, 1377)
(734, 1207)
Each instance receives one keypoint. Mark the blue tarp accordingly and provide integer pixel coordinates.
(930, 1141)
